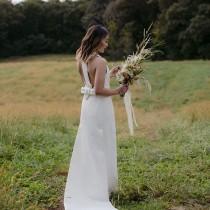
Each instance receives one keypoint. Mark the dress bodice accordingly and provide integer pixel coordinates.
(88, 89)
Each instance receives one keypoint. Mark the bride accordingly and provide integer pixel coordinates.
(92, 174)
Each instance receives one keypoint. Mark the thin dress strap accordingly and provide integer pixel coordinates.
(85, 74)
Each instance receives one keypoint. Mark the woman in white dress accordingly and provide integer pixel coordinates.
(93, 174)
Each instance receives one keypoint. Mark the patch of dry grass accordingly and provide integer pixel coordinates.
(50, 85)
(46, 86)
(197, 111)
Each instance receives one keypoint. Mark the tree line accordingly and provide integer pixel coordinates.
(38, 27)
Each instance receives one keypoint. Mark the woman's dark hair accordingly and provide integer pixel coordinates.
(90, 41)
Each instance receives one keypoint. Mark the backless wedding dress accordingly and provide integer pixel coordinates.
(93, 174)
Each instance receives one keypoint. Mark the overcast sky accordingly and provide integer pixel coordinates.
(17, 1)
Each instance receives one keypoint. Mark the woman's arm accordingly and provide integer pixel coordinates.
(79, 67)
(100, 79)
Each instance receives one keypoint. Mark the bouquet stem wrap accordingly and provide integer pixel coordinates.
(130, 112)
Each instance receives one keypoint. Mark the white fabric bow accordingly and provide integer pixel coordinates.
(87, 91)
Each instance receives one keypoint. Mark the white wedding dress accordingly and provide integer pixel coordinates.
(93, 174)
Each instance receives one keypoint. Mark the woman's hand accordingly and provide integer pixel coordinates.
(122, 89)
(114, 71)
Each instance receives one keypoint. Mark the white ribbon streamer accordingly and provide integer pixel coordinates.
(87, 91)
(130, 112)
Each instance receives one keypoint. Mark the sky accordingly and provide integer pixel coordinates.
(17, 1)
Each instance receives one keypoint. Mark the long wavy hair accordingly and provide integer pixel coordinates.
(90, 42)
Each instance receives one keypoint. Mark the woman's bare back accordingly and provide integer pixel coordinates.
(91, 65)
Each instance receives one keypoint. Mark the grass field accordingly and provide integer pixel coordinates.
(164, 166)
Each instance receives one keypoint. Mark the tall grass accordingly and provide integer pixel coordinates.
(164, 166)
(33, 154)
(173, 170)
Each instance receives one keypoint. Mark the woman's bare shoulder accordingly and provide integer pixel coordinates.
(99, 60)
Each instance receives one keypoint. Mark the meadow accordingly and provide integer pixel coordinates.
(164, 166)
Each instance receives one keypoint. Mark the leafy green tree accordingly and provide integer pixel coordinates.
(184, 28)
(36, 26)
(94, 12)
(10, 21)
(196, 37)
(73, 29)
(130, 19)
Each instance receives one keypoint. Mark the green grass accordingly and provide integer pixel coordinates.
(32, 155)
(173, 170)
(176, 83)
(169, 171)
